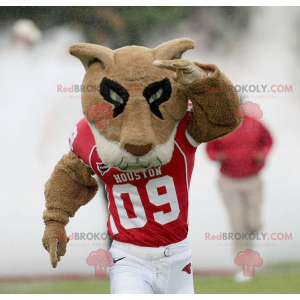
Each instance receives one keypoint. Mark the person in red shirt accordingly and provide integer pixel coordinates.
(242, 155)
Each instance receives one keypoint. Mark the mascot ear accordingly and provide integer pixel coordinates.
(173, 49)
(87, 53)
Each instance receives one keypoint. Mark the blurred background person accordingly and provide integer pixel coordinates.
(25, 33)
(242, 155)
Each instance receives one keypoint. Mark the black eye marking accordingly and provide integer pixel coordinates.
(157, 93)
(114, 93)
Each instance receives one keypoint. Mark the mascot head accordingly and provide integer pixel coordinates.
(132, 107)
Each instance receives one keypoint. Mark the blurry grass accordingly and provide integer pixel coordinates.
(280, 279)
(57, 287)
(260, 284)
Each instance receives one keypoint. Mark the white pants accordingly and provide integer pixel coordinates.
(147, 270)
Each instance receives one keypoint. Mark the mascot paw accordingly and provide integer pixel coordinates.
(186, 72)
(55, 241)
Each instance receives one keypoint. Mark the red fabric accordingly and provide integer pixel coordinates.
(148, 208)
(240, 148)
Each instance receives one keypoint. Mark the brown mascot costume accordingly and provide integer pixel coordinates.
(139, 136)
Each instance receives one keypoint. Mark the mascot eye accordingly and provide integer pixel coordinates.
(114, 93)
(155, 96)
(157, 93)
(114, 96)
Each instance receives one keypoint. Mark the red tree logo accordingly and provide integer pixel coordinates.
(249, 260)
(100, 112)
(100, 259)
(249, 111)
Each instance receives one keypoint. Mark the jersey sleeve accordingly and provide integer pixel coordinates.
(191, 141)
(182, 136)
(82, 142)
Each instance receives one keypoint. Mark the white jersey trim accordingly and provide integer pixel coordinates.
(113, 225)
(186, 169)
(111, 219)
(90, 157)
(191, 140)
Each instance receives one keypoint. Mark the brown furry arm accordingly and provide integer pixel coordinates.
(214, 112)
(70, 186)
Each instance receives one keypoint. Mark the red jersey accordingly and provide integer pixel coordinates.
(146, 208)
(240, 148)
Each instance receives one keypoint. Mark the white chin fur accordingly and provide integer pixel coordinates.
(114, 156)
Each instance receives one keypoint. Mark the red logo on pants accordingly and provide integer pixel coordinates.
(187, 268)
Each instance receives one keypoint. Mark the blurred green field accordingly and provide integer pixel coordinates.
(261, 284)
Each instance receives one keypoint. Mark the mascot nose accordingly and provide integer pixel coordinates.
(138, 150)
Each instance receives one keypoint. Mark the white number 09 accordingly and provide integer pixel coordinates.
(152, 190)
